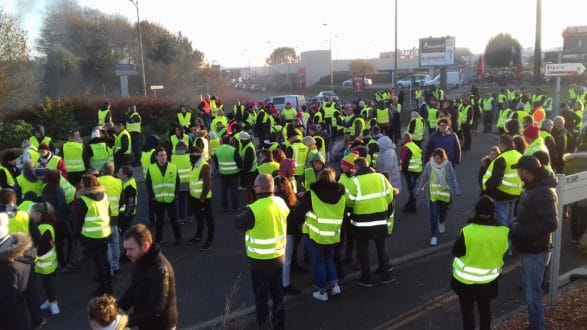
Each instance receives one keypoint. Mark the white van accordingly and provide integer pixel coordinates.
(453, 79)
(279, 101)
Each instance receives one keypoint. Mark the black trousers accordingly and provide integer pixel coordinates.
(98, 251)
(363, 251)
(267, 281)
(65, 242)
(171, 209)
(411, 180)
(468, 312)
(124, 222)
(466, 128)
(204, 217)
(136, 145)
(48, 281)
(487, 121)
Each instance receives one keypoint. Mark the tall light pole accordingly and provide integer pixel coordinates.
(136, 4)
(330, 50)
(395, 52)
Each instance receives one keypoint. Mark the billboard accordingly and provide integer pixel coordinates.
(437, 51)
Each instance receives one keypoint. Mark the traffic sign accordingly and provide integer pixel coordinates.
(153, 87)
(564, 69)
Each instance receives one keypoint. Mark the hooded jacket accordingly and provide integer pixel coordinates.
(387, 161)
(449, 142)
(537, 216)
(151, 293)
(329, 193)
(16, 261)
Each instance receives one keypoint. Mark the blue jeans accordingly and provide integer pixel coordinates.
(114, 249)
(438, 212)
(504, 213)
(290, 246)
(533, 267)
(322, 257)
(229, 183)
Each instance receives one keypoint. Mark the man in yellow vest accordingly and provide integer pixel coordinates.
(249, 170)
(181, 159)
(8, 170)
(298, 152)
(416, 128)
(184, 118)
(466, 114)
(535, 142)
(18, 221)
(122, 146)
(370, 198)
(201, 198)
(39, 138)
(75, 156)
(105, 114)
(488, 104)
(229, 163)
(265, 238)
(98, 150)
(113, 187)
(51, 161)
(128, 199)
(133, 126)
(162, 184)
(411, 166)
(28, 183)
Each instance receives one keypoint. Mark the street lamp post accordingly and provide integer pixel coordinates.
(330, 50)
(395, 52)
(136, 4)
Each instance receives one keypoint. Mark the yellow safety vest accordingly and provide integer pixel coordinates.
(146, 161)
(9, 177)
(511, 183)
(134, 127)
(196, 182)
(418, 134)
(118, 142)
(382, 116)
(113, 188)
(251, 146)
(324, 221)
(27, 186)
(503, 117)
(432, 117)
(132, 183)
(268, 168)
(437, 193)
(368, 194)
(300, 155)
(184, 166)
(415, 165)
(184, 119)
(35, 143)
(535, 146)
(100, 154)
(226, 163)
(97, 220)
(290, 114)
(19, 223)
(267, 239)
(47, 263)
(73, 156)
(102, 114)
(163, 184)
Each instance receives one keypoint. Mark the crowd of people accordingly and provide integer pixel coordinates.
(327, 175)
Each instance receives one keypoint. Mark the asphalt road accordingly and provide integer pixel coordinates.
(213, 287)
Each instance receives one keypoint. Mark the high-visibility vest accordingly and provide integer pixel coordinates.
(215, 108)
(300, 155)
(418, 93)
(47, 263)
(322, 149)
(415, 165)
(217, 119)
(175, 140)
(196, 183)
(268, 167)
(134, 127)
(52, 163)
(503, 117)
(579, 122)
(226, 163)
(511, 94)
(19, 223)
(511, 183)
(97, 220)
(163, 184)
(28, 186)
(146, 161)
(118, 142)
(488, 104)
(437, 193)
(251, 146)
(184, 166)
(113, 188)
(102, 114)
(267, 239)
(205, 149)
(528, 106)
(501, 98)
(324, 221)
(317, 117)
(100, 154)
(36, 143)
(483, 262)
(418, 134)
(356, 122)
(432, 117)
(68, 189)
(25, 206)
(547, 104)
(213, 145)
(184, 119)
(572, 93)
(33, 154)
(290, 114)
(132, 183)
(463, 114)
(73, 156)
(329, 110)
(309, 177)
(535, 146)
(368, 194)
(382, 116)
(9, 177)
(375, 154)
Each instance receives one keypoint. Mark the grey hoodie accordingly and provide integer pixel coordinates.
(387, 162)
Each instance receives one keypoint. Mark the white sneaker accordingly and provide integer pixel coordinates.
(441, 227)
(322, 296)
(433, 241)
(45, 305)
(335, 290)
(54, 308)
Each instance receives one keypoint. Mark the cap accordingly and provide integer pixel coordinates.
(348, 161)
(361, 103)
(288, 104)
(260, 104)
(532, 132)
(244, 136)
(308, 140)
(485, 207)
(43, 146)
(528, 163)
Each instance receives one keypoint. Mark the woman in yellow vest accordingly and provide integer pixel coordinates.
(94, 218)
(478, 263)
(46, 261)
(440, 178)
(321, 211)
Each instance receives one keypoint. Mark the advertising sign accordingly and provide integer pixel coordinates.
(359, 84)
(437, 51)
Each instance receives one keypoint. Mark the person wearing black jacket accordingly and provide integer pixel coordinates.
(151, 294)
(531, 233)
(8, 170)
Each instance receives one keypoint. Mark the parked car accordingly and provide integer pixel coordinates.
(258, 88)
(413, 81)
(349, 82)
(279, 101)
(453, 79)
(324, 94)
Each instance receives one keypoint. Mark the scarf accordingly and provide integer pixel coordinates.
(439, 171)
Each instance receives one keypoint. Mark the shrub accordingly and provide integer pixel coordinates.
(13, 132)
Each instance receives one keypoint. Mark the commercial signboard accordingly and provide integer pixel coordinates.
(437, 51)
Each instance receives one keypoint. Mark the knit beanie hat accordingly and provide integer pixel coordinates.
(532, 132)
(348, 161)
(485, 208)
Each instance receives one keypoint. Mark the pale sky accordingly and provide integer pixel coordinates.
(239, 33)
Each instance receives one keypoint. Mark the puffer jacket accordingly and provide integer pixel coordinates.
(536, 215)
(387, 161)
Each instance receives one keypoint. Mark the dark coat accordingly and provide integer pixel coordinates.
(536, 215)
(151, 293)
(16, 261)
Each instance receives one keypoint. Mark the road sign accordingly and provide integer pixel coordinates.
(153, 87)
(564, 69)
(437, 51)
(125, 69)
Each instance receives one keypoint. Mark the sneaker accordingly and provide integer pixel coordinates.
(194, 240)
(40, 325)
(387, 278)
(433, 241)
(322, 296)
(45, 305)
(364, 283)
(335, 290)
(441, 227)
(54, 308)
(290, 290)
(207, 246)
